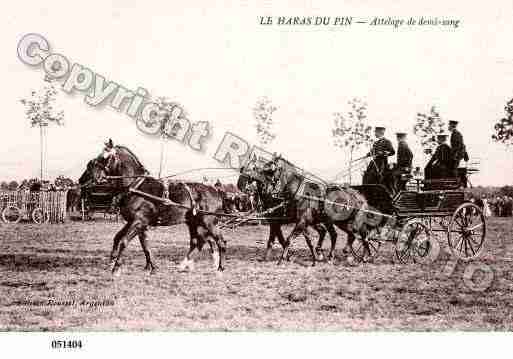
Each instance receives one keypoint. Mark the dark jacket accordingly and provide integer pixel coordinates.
(404, 156)
(442, 157)
(380, 151)
(458, 149)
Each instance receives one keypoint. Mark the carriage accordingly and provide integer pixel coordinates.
(411, 218)
(416, 215)
(407, 218)
(98, 198)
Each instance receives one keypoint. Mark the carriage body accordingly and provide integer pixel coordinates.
(98, 198)
(441, 208)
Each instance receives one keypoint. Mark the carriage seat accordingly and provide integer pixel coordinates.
(449, 183)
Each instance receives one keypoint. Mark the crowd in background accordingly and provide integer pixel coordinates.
(498, 206)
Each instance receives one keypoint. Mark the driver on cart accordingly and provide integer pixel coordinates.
(403, 170)
(377, 171)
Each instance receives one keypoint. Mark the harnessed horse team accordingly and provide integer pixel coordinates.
(144, 201)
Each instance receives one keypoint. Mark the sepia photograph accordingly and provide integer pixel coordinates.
(300, 168)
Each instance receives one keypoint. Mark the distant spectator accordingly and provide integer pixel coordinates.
(486, 208)
(35, 187)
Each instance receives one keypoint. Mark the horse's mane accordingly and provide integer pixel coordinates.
(298, 171)
(134, 157)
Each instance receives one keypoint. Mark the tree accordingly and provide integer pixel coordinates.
(351, 131)
(64, 182)
(504, 127)
(4, 186)
(169, 126)
(40, 111)
(426, 127)
(13, 186)
(264, 123)
(30, 183)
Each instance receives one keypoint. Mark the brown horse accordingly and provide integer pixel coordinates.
(313, 203)
(144, 208)
(283, 215)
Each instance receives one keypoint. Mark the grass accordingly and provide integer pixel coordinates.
(70, 263)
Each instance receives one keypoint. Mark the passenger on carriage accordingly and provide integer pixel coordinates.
(441, 164)
(377, 171)
(402, 172)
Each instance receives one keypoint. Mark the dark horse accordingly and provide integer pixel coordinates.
(312, 204)
(146, 208)
(284, 214)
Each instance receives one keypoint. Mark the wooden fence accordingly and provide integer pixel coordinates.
(44, 206)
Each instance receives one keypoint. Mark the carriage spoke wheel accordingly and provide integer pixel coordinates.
(39, 216)
(366, 249)
(466, 232)
(414, 242)
(11, 214)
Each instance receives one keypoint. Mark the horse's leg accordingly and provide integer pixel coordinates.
(322, 233)
(306, 234)
(193, 244)
(333, 238)
(270, 241)
(115, 246)
(134, 229)
(143, 238)
(286, 244)
(282, 241)
(350, 237)
(221, 246)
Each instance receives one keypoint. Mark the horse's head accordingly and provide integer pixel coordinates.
(285, 177)
(112, 165)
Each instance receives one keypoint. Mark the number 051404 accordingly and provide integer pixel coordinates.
(66, 344)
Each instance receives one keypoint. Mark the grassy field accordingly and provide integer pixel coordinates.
(66, 263)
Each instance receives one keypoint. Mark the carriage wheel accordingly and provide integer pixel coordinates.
(413, 242)
(39, 217)
(366, 250)
(11, 214)
(466, 232)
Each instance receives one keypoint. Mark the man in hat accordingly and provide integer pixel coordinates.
(459, 152)
(376, 172)
(441, 164)
(404, 162)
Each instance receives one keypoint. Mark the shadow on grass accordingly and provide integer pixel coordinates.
(30, 262)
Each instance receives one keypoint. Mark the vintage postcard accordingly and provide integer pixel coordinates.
(268, 166)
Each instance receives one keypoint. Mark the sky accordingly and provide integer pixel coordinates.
(216, 60)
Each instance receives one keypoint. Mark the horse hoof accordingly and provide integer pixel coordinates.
(116, 272)
(153, 271)
(320, 255)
